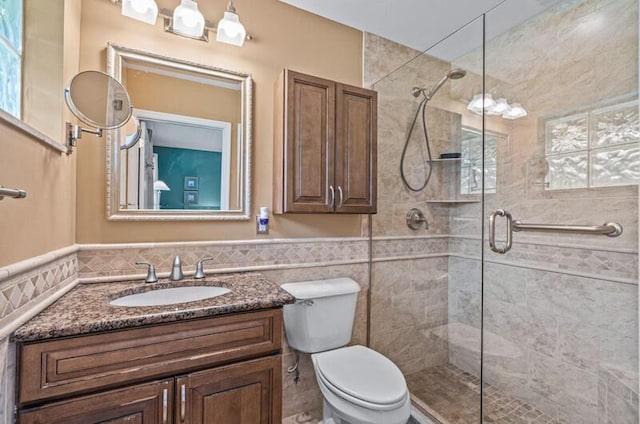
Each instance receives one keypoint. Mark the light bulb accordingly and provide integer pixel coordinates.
(230, 30)
(142, 10)
(140, 6)
(187, 19)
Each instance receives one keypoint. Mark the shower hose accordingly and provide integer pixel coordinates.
(422, 110)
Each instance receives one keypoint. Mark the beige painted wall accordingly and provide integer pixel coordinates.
(45, 220)
(285, 37)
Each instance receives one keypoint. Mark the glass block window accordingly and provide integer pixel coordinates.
(10, 55)
(471, 178)
(599, 148)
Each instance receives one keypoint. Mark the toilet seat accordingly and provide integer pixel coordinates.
(363, 377)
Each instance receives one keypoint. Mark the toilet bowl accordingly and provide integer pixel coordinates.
(358, 384)
(361, 386)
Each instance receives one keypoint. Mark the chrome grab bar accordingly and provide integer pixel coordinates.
(15, 194)
(610, 229)
(492, 231)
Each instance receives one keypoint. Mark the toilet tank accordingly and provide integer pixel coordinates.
(322, 317)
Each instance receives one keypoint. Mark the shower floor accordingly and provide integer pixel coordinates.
(452, 396)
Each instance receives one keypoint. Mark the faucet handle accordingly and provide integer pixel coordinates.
(200, 269)
(151, 273)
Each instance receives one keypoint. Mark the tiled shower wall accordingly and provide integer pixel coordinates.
(560, 311)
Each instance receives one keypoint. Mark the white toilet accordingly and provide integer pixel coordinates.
(359, 385)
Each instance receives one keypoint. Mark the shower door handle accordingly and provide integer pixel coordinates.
(492, 231)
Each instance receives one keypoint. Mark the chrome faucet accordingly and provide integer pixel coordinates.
(151, 272)
(200, 267)
(176, 270)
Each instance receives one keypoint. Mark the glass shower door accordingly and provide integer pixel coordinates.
(560, 298)
(426, 278)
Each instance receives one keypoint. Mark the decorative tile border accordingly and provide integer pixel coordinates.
(100, 261)
(29, 282)
(615, 265)
(409, 246)
(22, 291)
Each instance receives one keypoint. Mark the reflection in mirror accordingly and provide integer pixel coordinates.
(192, 158)
(98, 100)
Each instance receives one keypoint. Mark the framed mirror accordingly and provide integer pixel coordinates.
(192, 161)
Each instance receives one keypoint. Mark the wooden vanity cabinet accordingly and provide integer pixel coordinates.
(218, 370)
(243, 393)
(325, 136)
(148, 403)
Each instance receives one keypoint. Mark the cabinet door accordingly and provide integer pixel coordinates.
(356, 154)
(309, 143)
(245, 393)
(149, 403)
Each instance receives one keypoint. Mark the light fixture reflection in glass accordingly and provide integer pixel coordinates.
(230, 30)
(500, 107)
(476, 104)
(142, 10)
(516, 111)
(187, 19)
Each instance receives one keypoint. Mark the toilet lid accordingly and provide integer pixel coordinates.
(364, 374)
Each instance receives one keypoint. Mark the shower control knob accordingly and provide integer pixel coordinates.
(415, 219)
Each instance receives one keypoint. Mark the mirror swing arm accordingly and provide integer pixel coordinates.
(74, 133)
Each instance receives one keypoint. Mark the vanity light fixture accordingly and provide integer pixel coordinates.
(187, 20)
(142, 10)
(230, 30)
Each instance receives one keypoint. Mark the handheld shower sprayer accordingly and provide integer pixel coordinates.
(428, 93)
(455, 73)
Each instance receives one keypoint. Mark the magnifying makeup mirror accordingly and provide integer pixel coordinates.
(101, 102)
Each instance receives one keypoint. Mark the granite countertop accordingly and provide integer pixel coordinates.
(86, 309)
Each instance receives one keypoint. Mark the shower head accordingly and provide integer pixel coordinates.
(455, 73)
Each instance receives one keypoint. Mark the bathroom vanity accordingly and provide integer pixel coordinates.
(215, 360)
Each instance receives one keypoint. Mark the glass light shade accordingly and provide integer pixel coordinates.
(516, 111)
(142, 10)
(500, 107)
(160, 185)
(187, 19)
(476, 104)
(230, 30)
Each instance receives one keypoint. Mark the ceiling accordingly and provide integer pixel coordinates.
(421, 24)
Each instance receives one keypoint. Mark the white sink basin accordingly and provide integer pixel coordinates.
(170, 296)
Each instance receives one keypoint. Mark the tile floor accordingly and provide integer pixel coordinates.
(452, 396)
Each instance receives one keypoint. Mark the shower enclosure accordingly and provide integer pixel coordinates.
(512, 323)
